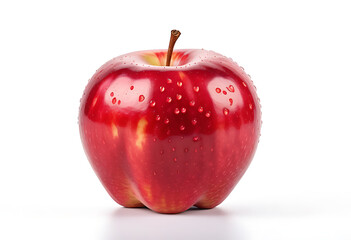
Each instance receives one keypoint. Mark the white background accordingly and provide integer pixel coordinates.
(299, 56)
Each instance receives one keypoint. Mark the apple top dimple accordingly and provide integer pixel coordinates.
(181, 59)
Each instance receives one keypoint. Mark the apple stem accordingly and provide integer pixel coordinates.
(174, 36)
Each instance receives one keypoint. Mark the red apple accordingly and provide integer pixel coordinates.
(170, 137)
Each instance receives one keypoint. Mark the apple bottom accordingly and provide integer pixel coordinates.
(169, 175)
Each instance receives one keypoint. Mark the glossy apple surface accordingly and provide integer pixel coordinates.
(170, 137)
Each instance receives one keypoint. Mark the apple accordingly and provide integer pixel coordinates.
(170, 136)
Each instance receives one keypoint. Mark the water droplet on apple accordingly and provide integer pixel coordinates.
(200, 109)
(231, 101)
(169, 99)
(208, 114)
(225, 111)
(192, 103)
(157, 117)
(225, 92)
(162, 89)
(194, 121)
(114, 100)
(152, 103)
(244, 84)
(174, 159)
(166, 121)
(196, 88)
(186, 150)
(218, 90)
(169, 80)
(183, 110)
(141, 98)
(176, 111)
(179, 84)
(179, 96)
(230, 88)
(119, 102)
(196, 138)
(250, 105)
(182, 128)
(112, 94)
(131, 87)
(173, 149)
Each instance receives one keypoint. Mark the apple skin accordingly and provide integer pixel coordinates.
(174, 137)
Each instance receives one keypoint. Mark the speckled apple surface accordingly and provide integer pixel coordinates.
(169, 138)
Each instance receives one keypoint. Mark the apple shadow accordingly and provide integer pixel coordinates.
(142, 223)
